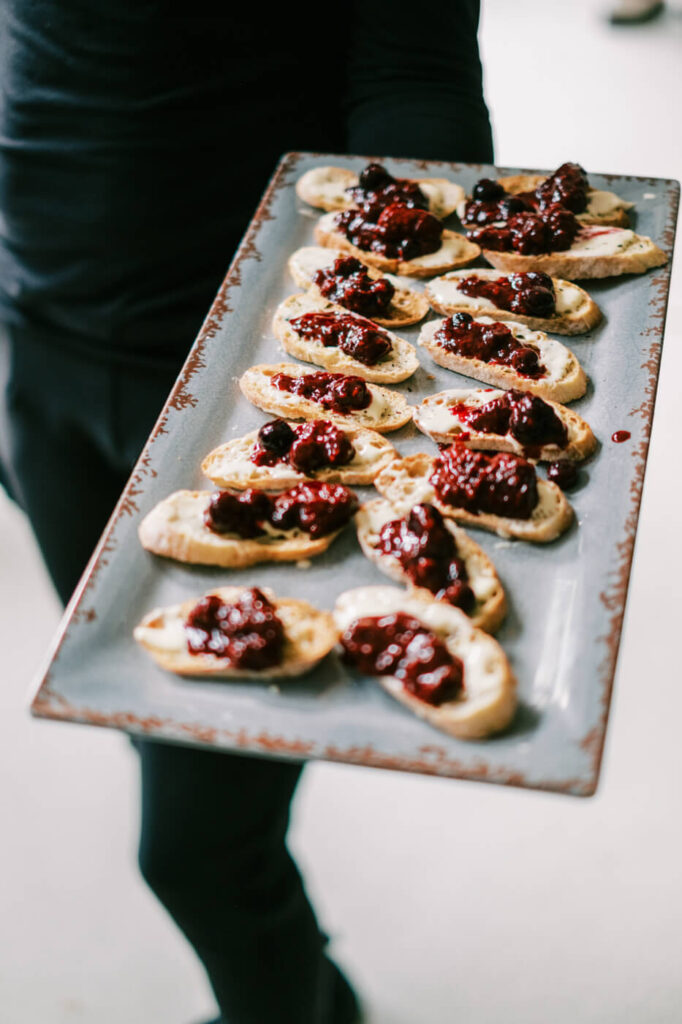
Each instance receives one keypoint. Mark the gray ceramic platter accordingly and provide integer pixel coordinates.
(566, 600)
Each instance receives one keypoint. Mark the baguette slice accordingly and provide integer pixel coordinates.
(564, 381)
(576, 312)
(434, 417)
(488, 700)
(596, 252)
(406, 307)
(455, 251)
(491, 605)
(400, 363)
(325, 188)
(175, 529)
(405, 482)
(309, 636)
(387, 411)
(603, 207)
(230, 465)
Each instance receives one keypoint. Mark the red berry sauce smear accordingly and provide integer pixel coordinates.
(379, 188)
(246, 632)
(399, 645)
(491, 343)
(500, 484)
(553, 229)
(352, 334)
(530, 294)
(428, 553)
(395, 231)
(337, 392)
(316, 508)
(621, 435)
(530, 420)
(307, 447)
(348, 283)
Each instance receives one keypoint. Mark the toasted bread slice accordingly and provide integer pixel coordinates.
(406, 307)
(230, 465)
(491, 605)
(576, 312)
(325, 188)
(387, 411)
(175, 528)
(488, 699)
(596, 252)
(455, 251)
(405, 482)
(564, 381)
(309, 636)
(603, 207)
(435, 417)
(399, 364)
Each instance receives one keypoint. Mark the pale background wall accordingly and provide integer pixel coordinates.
(448, 901)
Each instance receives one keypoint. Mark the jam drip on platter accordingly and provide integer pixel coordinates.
(491, 343)
(428, 553)
(379, 188)
(247, 632)
(316, 508)
(394, 231)
(354, 335)
(399, 645)
(529, 419)
(338, 392)
(552, 229)
(348, 283)
(500, 484)
(530, 294)
(307, 447)
(490, 203)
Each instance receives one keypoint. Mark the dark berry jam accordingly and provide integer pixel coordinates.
(621, 435)
(491, 211)
(307, 447)
(316, 508)
(491, 343)
(354, 335)
(379, 188)
(529, 419)
(399, 645)
(549, 230)
(395, 231)
(501, 484)
(491, 204)
(337, 392)
(427, 552)
(349, 284)
(567, 187)
(247, 632)
(530, 294)
(563, 473)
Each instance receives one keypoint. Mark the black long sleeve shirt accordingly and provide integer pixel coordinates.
(134, 145)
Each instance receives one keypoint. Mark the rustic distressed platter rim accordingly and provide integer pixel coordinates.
(511, 759)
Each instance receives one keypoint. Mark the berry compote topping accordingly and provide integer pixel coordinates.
(306, 447)
(379, 188)
(492, 343)
(428, 553)
(247, 632)
(563, 473)
(348, 283)
(337, 392)
(530, 294)
(395, 231)
(551, 229)
(490, 203)
(399, 645)
(314, 507)
(354, 335)
(501, 484)
(567, 186)
(530, 420)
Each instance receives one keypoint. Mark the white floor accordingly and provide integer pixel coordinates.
(449, 902)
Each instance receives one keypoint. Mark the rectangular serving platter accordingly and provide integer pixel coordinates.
(566, 599)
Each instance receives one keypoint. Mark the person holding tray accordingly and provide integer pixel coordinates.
(134, 147)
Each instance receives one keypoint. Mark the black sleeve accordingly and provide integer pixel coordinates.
(415, 82)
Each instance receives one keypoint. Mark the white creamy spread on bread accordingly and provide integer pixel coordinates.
(169, 635)
(184, 511)
(239, 464)
(554, 356)
(604, 241)
(445, 291)
(330, 185)
(313, 258)
(600, 203)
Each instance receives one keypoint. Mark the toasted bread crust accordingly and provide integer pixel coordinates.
(488, 700)
(255, 385)
(398, 365)
(456, 251)
(488, 612)
(229, 465)
(309, 636)
(325, 188)
(581, 440)
(574, 266)
(571, 385)
(186, 539)
(405, 482)
(617, 218)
